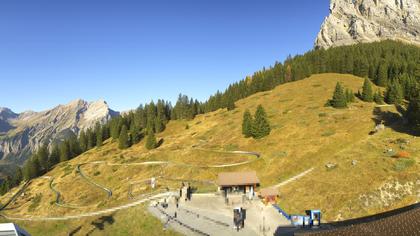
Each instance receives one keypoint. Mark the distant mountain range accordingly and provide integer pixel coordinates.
(20, 134)
(362, 21)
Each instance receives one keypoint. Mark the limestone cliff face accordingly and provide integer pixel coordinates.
(355, 21)
(20, 134)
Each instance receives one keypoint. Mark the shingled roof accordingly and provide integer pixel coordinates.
(237, 178)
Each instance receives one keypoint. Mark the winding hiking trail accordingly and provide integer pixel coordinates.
(144, 198)
(109, 191)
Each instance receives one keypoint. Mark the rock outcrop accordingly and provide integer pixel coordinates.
(20, 134)
(359, 21)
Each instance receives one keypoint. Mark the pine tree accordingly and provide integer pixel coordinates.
(74, 146)
(394, 93)
(91, 139)
(349, 96)
(247, 124)
(17, 177)
(367, 93)
(413, 111)
(382, 78)
(54, 156)
(28, 170)
(151, 142)
(230, 103)
(64, 151)
(5, 186)
(83, 141)
(123, 140)
(99, 135)
(261, 126)
(42, 156)
(339, 99)
(136, 134)
(378, 98)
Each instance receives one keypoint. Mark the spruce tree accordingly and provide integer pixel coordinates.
(339, 99)
(378, 98)
(91, 139)
(27, 169)
(382, 78)
(54, 156)
(230, 103)
(99, 135)
(413, 111)
(74, 146)
(42, 156)
(64, 152)
(151, 142)
(17, 176)
(83, 141)
(367, 93)
(247, 124)
(394, 93)
(135, 133)
(123, 140)
(261, 126)
(349, 96)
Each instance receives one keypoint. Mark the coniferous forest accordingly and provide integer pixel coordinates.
(393, 65)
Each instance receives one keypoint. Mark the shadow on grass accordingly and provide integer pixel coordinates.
(101, 222)
(394, 120)
(160, 142)
(75, 231)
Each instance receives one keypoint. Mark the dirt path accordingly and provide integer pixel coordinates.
(109, 191)
(293, 178)
(95, 213)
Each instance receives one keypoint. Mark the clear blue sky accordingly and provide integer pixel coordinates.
(129, 52)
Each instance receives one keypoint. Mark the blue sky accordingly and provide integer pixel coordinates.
(128, 52)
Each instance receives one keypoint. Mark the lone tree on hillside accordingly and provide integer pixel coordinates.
(123, 141)
(367, 93)
(261, 126)
(247, 124)
(151, 142)
(339, 99)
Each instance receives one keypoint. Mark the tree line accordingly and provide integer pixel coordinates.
(385, 63)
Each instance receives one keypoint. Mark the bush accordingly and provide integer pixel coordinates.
(35, 202)
(403, 164)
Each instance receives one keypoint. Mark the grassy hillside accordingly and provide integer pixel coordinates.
(305, 134)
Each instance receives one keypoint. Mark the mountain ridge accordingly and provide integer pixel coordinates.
(22, 133)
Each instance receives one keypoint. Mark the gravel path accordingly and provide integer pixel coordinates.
(293, 178)
(95, 213)
(109, 191)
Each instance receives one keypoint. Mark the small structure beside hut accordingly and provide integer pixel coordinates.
(269, 195)
(238, 182)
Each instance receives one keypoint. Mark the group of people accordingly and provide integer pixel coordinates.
(188, 191)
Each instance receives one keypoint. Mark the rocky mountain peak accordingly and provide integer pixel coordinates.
(355, 21)
(6, 113)
(20, 134)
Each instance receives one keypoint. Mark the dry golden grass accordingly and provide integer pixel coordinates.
(304, 134)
